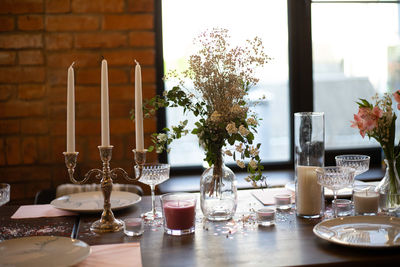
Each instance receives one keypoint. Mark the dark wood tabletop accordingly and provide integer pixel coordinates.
(235, 243)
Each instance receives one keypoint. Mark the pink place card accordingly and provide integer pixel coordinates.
(266, 196)
(118, 255)
(38, 211)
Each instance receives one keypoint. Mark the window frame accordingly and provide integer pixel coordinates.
(301, 83)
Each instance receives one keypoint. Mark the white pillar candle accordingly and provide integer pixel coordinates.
(105, 127)
(138, 108)
(366, 202)
(71, 110)
(309, 192)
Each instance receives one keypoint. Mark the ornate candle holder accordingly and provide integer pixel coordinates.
(107, 222)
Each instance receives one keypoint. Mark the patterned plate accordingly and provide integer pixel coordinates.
(92, 202)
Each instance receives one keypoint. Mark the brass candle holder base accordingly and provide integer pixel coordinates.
(107, 222)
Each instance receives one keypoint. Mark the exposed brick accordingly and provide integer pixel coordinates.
(6, 24)
(122, 126)
(149, 91)
(22, 109)
(127, 57)
(93, 76)
(31, 57)
(58, 112)
(121, 110)
(6, 91)
(148, 75)
(43, 152)
(7, 57)
(30, 22)
(128, 22)
(20, 41)
(71, 23)
(57, 128)
(81, 59)
(141, 5)
(58, 6)
(57, 76)
(98, 6)
(34, 126)
(92, 151)
(13, 148)
(57, 41)
(142, 39)
(57, 95)
(88, 94)
(9, 127)
(88, 127)
(119, 148)
(31, 91)
(22, 74)
(2, 152)
(88, 110)
(21, 6)
(100, 40)
(29, 150)
(122, 92)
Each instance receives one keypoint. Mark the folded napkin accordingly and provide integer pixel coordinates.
(37, 211)
(266, 196)
(119, 255)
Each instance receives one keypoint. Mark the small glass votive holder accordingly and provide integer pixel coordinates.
(366, 200)
(179, 213)
(4, 193)
(343, 206)
(283, 201)
(265, 217)
(133, 226)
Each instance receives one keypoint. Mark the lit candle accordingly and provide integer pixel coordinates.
(366, 200)
(138, 108)
(71, 110)
(105, 127)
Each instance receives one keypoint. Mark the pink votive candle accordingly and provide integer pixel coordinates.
(179, 212)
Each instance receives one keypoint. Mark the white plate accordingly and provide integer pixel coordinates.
(345, 192)
(361, 231)
(90, 202)
(43, 251)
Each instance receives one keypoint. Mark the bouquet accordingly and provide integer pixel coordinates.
(378, 121)
(221, 77)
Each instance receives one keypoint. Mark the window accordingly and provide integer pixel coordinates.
(184, 20)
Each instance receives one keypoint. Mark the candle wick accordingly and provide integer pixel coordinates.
(102, 57)
(137, 63)
(73, 63)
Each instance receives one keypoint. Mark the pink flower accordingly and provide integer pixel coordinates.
(396, 96)
(366, 119)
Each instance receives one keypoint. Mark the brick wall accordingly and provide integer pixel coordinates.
(39, 39)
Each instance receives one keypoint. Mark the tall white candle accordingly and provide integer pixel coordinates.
(138, 108)
(71, 110)
(105, 127)
(309, 192)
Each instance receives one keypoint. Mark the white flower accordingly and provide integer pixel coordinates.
(231, 128)
(162, 137)
(243, 131)
(159, 150)
(240, 163)
(239, 148)
(236, 109)
(215, 116)
(251, 121)
(253, 164)
(228, 153)
(254, 151)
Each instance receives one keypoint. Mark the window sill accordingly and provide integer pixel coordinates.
(191, 183)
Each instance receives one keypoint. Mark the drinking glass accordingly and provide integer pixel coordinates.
(152, 175)
(360, 163)
(335, 178)
(4, 193)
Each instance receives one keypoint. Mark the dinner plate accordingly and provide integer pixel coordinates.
(345, 192)
(38, 251)
(361, 231)
(91, 202)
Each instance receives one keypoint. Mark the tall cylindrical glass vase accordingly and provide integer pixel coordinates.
(309, 154)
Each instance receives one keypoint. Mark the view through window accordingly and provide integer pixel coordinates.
(185, 19)
(356, 54)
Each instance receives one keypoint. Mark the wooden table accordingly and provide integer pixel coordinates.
(289, 242)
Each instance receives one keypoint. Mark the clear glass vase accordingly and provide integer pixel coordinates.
(389, 188)
(218, 192)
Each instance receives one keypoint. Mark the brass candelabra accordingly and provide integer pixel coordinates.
(107, 222)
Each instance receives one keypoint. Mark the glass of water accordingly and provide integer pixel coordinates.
(133, 226)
